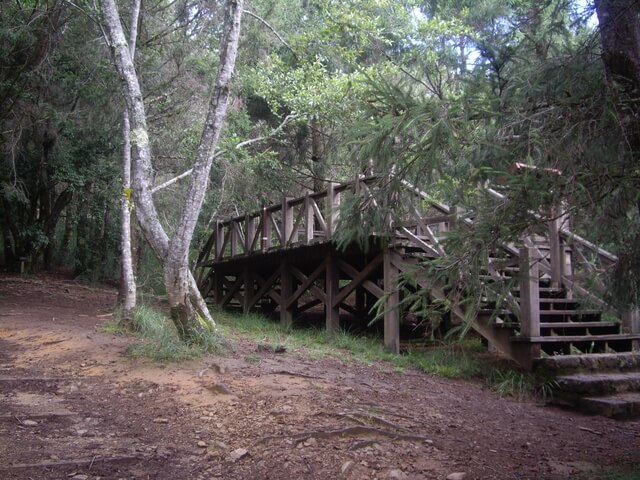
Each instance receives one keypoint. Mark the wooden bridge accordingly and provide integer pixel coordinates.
(284, 258)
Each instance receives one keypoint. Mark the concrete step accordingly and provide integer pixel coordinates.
(577, 338)
(566, 364)
(598, 384)
(621, 406)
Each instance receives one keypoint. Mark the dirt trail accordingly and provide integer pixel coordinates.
(72, 405)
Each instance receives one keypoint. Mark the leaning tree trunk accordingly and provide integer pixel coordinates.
(187, 305)
(176, 271)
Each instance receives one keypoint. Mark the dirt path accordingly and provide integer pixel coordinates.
(72, 405)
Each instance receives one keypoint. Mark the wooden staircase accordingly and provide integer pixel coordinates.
(548, 312)
(543, 298)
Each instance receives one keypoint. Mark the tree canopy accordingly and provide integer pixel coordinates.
(446, 94)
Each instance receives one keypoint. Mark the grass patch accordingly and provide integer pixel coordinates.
(159, 340)
(459, 359)
(611, 474)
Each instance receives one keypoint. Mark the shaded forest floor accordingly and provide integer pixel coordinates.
(74, 405)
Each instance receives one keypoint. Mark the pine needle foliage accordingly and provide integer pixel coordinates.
(537, 95)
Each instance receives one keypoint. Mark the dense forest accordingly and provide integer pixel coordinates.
(277, 97)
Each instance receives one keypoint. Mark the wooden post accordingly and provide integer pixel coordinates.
(218, 287)
(567, 268)
(631, 323)
(287, 222)
(234, 237)
(392, 300)
(529, 293)
(308, 219)
(266, 230)
(248, 289)
(332, 209)
(286, 290)
(555, 249)
(332, 288)
(219, 241)
(631, 320)
(249, 233)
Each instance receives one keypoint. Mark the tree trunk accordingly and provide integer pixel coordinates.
(620, 36)
(127, 292)
(187, 306)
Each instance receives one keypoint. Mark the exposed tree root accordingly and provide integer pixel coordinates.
(359, 431)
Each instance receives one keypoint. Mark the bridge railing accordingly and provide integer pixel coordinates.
(293, 222)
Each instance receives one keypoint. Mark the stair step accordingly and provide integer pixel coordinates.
(558, 300)
(593, 324)
(580, 313)
(568, 324)
(576, 338)
(594, 384)
(588, 362)
(619, 406)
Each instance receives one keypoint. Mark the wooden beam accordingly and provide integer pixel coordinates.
(308, 305)
(232, 290)
(318, 216)
(359, 278)
(307, 282)
(265, 286)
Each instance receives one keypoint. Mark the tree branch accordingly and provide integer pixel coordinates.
(273, 30)
(219, 153)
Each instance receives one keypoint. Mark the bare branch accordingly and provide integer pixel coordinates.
(219, 153)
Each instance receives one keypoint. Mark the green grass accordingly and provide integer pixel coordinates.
(611, 474)
(456, 359)
(159, 340)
